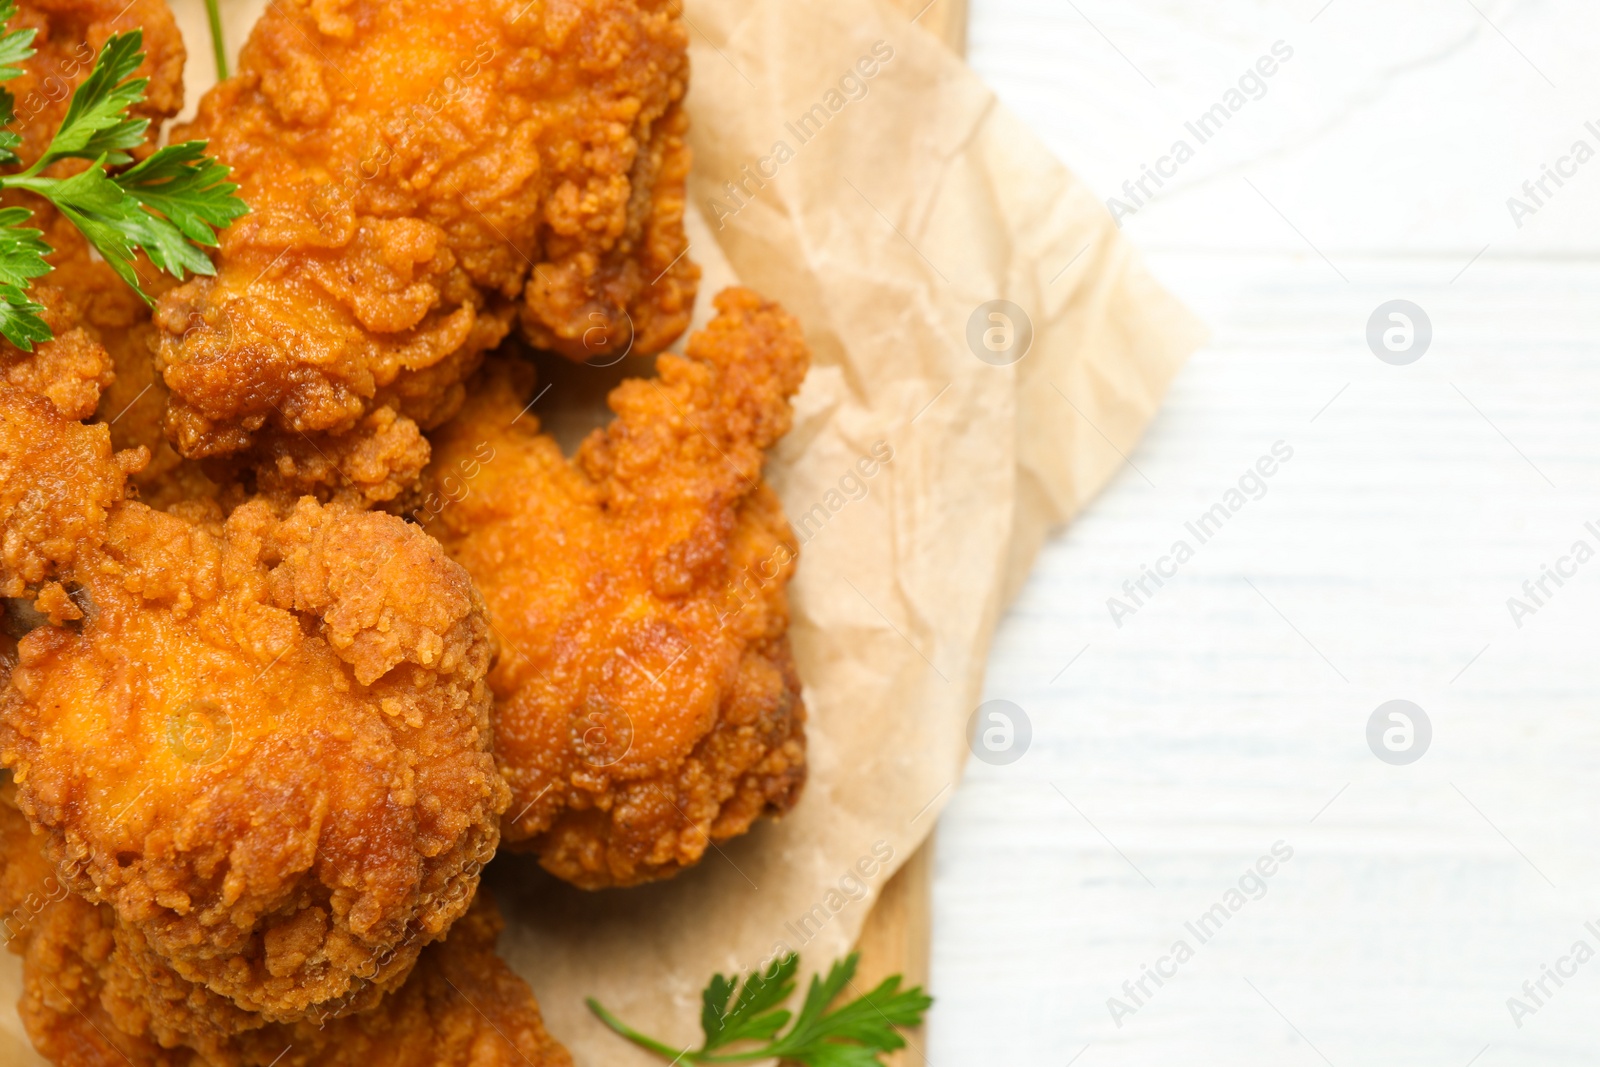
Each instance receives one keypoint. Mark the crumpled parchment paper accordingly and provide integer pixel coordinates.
(849, 166)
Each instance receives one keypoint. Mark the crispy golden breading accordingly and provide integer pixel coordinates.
(377, 460)
(636, 296)
(70, 370)
(86, 1005)
(69, 34)
(383, 456)
(411, 168)
(267, 744)
(647, 700)
(58, 483)
(132, 400)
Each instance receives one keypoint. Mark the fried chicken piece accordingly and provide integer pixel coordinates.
(74, 370)
(58, 483)
(409, 167)
(70, 370)
(85, 1005)
(380, 458)
(646, 696)
(68, 36)
(267, 742)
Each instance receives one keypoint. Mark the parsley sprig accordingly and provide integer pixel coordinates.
(169, 207)
(854, 1035)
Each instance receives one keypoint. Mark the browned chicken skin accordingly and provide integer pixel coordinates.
(647, 699)
(87, 1002)
(68, 35)
(264, 740)
(70, 370)
(415, 170)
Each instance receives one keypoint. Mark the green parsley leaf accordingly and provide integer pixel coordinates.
(188, 187)
(854, 1035)
(97, 122)
(9, 141)
(15, 45)
(750, 1019)
(118, 227)
(169, 207)
(22, 253)
(20, 321)
(98, 208)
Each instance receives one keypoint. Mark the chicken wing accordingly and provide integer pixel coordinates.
(414, 170)
(646, 696)
(263, 739)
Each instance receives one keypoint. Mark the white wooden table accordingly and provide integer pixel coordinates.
(1230, 711)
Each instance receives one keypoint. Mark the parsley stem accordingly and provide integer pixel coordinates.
(766, 1053)
(219, 50)
(676, 1055)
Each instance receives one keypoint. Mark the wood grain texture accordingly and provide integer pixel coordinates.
(898, 935)
(897, 939)
(1229, 712)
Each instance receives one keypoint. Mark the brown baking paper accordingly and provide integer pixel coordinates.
(888, 196)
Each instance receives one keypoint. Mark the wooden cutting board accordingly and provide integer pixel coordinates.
(897, 937)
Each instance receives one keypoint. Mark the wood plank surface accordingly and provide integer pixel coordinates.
(1230, 712)
(897, 939)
